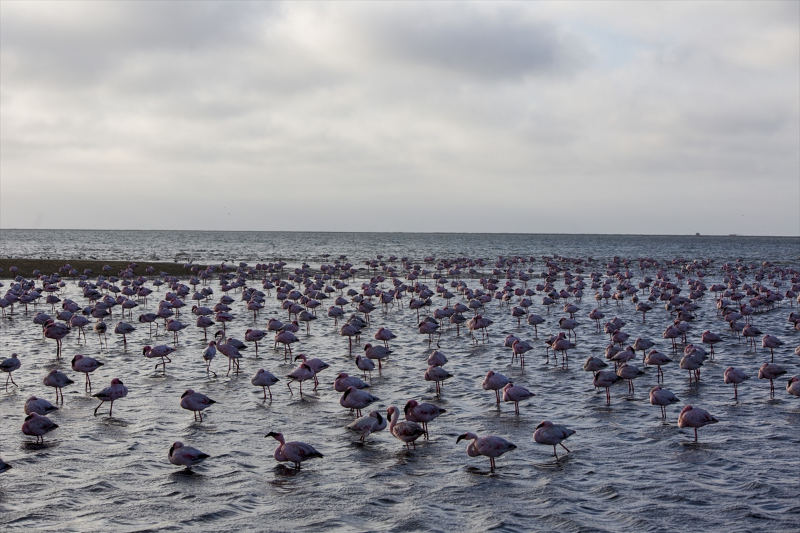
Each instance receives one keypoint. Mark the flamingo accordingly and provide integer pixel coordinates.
(254, 335)
(8, 366)
(317, 365)
(437, 374)
(300, 374)
(294, 451)
(162, 351)
(124, 329)
(793, 386)
(422, 413)
(38, 426)
(196, 402)
(377, 353)
(58, 380)
(552, 435)
(208, 355)
(735, 376)
(182, 455)
(490, 446)
(56, 331)
(115, 391)
(629, 373)
(770, 371)
(385, 335)
(264, 380)
(365, 365)
(604, 379)
(406, 432)
(344, 381)
(86, 365)
(662, 397)
(516, 394)
(40, 406)
(771, 342)
(366, 425)
(694, 417)
(355, 399)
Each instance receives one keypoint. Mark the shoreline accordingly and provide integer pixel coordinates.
(49, 266)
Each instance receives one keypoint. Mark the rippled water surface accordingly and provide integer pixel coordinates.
(627, 470)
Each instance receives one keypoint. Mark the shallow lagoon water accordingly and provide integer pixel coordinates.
(628, 470)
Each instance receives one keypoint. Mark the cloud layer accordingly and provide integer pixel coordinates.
(597, 117)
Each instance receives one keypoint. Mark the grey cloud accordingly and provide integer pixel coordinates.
(457, 38)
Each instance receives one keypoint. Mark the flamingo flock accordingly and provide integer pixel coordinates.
(399, 286)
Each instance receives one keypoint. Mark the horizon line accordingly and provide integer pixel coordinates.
(419, 232)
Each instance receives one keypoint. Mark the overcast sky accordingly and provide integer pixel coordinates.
(576, 117)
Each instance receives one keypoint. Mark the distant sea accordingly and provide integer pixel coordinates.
(295, 247)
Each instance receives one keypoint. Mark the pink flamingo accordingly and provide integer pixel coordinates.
(694, 417)
(385, 335)
(355, 399)
(8, 366)
(770, 371)
(38, 426)
(735, 376)
(58, 380)
(86, 365)
(662, 397)
(349, 331)
(294, 451)
(490, 446)
(406, 432)
(516, 394)
(422, 413)
(365, 425)
(711, 339)
(196, 402)
(437, 374)
(182, 455)
(115, 391)
(162, 351)
(56, 331)
(254, 335)
(552, 435)
(604, 379)
(300, 374)
(771, 342)
(264, 380)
